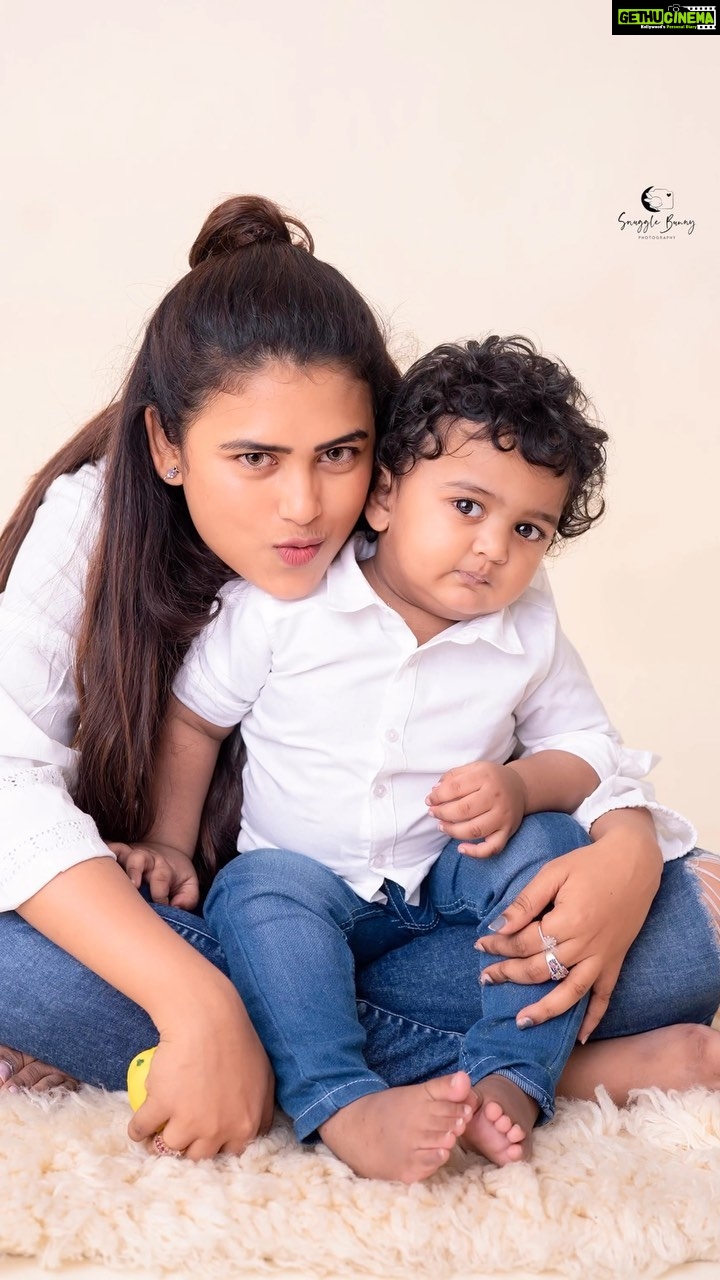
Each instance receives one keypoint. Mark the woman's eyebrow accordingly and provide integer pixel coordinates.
(259, 446)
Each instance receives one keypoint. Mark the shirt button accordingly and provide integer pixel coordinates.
(392, 735)
(379, 790)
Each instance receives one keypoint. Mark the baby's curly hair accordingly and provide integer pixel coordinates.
(519, 399)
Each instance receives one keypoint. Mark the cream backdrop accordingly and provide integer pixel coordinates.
(465, 164)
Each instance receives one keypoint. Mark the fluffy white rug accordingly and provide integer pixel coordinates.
(608, 1193)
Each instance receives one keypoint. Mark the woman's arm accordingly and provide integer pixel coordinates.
(594, 900)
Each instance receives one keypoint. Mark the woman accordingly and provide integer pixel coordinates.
(105, 594)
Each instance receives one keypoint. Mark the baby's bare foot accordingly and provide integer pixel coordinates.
(501, 1127)
(403, 1134)
(20, 1071)
(675, 1057)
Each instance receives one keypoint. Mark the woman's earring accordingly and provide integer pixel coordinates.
(172, 473)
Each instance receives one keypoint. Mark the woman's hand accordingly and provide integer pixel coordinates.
(168, 873)
(479, 801)
(594, 900)
(210, 1087)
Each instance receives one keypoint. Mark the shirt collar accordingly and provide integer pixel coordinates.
(348, 591)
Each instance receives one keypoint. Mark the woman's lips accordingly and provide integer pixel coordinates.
(296, 554)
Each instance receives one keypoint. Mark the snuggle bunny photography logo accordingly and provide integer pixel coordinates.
(659, 221)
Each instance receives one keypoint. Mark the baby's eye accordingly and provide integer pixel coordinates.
(530, 532)
(467, 507)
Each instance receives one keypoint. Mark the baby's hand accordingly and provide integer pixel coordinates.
(168, 873)
(479, 801)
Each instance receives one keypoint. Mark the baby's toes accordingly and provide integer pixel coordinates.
(492, 1111)
(503, 1124)
(516, 1134)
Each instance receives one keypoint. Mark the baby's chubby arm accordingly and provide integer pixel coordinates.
(187, 756)
(487, 802)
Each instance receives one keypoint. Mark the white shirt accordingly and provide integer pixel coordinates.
(348, 723)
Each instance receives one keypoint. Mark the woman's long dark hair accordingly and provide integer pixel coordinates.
(255, 292)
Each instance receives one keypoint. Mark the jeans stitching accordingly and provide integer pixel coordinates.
(412, 1022)
(327, 1095)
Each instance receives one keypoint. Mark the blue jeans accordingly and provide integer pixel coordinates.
(292, 932)
(415, 1003)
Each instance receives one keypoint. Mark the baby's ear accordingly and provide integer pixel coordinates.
(379, 503)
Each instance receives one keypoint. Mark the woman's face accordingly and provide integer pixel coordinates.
(276, 475)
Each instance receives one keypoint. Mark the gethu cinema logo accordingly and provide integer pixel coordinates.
(674, 17)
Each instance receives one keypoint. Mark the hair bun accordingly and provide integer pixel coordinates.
(246, 220)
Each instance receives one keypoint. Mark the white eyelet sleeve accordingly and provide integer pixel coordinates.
(629, 788)
(42, 832)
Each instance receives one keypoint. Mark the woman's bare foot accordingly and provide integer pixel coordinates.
(404, 1134)
(669, 1058)
(19, 1071)
(502, 1126)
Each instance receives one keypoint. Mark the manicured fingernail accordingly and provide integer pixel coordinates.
(498, 923)
(583, 1039)
(486, 979)
(524, 1023)
(478, 946)
(6, 1071)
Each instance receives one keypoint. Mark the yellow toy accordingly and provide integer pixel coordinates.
(136, 1077)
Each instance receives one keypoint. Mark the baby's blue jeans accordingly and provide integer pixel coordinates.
(292, 932)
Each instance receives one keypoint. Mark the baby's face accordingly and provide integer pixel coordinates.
(463, 534)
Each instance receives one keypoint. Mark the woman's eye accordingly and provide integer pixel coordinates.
(255, 461)
(530, 532)
(340, 453)
(467, 507)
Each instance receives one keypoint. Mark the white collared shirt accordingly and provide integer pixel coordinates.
(348, 723)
